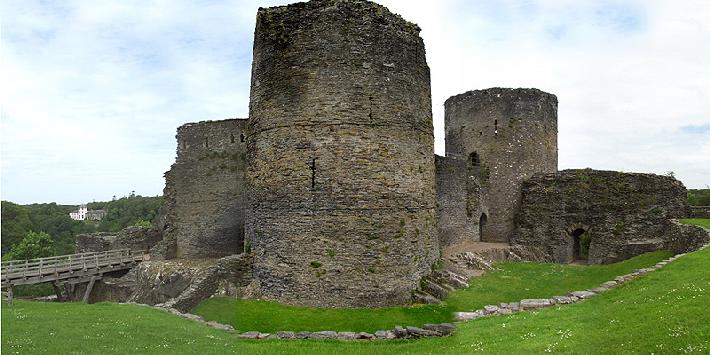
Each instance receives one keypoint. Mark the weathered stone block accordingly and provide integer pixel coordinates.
(535, 303)
(444, 329)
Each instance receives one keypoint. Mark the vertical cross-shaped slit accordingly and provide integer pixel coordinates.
(313, 173)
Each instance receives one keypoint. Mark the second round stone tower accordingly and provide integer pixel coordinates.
(342, 197)
(506, 136)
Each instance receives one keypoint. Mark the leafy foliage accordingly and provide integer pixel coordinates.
(127, 211)
(699, 197)
(33, 245)
(15, 224)
(584, 241)
(54, 220)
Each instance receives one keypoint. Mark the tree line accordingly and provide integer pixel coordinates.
(699, 197)
(45, 229)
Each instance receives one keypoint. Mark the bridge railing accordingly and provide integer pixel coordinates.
(55, 264)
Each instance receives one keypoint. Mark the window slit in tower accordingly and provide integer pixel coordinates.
(241, 137)
(231, 138)
(207, 145)
(475, 159)
(313, 173)
(495, 123)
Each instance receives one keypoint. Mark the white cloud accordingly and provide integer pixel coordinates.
(92, 91)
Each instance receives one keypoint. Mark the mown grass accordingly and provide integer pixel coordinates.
(662, 312)
(511, 281)
(703, 222)
(267, 316)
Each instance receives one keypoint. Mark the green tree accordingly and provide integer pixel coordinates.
(15, 224)
(33, 245)
(699, 197)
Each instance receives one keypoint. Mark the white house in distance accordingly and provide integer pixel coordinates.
(83, 213)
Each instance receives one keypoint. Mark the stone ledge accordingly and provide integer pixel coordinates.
(409, 332)
(428, 330)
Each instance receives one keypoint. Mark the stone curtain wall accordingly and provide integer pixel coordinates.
(138, 239)
(340, 156)
(458, 198)
(699, 212)
(507, 135)
(204, 190)
(626, 214)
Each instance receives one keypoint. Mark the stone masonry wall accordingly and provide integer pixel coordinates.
(699, 212)
(459, 201)
(340, 156)
(204, 190)
(137, 239)
(625, 214)
(509, 134)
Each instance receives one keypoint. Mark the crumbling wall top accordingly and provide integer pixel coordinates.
(498, 95)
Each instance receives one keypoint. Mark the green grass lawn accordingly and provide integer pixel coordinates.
(703, 222)
(511, 282)
(267, 316)
(662, 312)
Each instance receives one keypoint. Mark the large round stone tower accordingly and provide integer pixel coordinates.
(340, 156)
(506, 136)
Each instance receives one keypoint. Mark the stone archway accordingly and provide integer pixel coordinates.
(579, 242)
(482, 226)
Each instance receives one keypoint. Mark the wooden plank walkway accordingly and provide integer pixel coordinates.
(84, 266)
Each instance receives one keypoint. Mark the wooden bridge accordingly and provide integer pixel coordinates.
(68, 269)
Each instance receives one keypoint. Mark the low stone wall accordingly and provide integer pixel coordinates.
(623, 214)
(140, 239)
(571, 297)
(428, 330)
(699, 212)
(684, 238)
(398, 332)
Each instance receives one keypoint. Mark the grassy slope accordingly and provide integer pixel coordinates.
(664, 311)
(269, 316)
(515, 281)
(511, 282)
(703, 222)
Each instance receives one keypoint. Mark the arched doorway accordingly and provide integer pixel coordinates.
(580, 244)
(481, 226)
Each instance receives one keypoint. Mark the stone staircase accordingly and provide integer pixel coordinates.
(458, 268)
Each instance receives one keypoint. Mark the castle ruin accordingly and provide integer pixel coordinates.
(330, 194)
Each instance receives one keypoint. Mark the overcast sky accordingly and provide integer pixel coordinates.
(92, 91)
